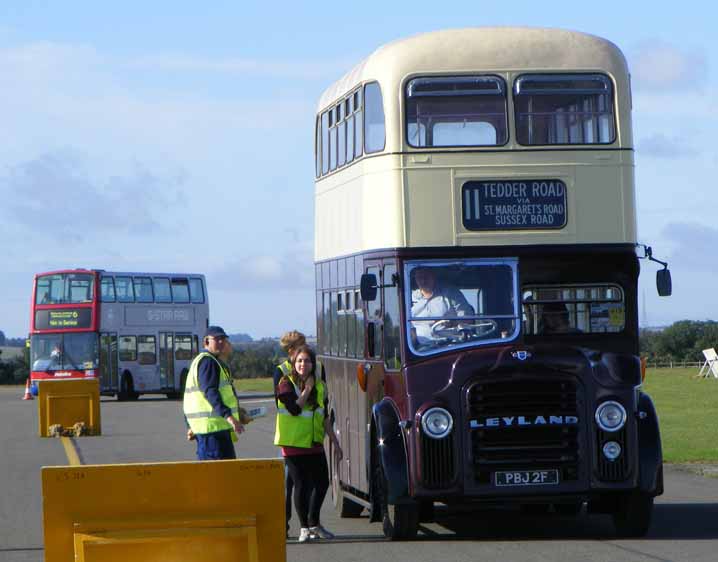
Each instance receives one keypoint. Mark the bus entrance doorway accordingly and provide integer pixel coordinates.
(167, 364)
(108, 362)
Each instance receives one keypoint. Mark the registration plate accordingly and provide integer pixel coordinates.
(526, 477)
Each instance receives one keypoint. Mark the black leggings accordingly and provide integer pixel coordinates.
(311, 482)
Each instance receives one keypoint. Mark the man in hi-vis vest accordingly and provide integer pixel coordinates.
(210, 404)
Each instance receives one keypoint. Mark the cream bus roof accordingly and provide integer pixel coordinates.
(482, 49)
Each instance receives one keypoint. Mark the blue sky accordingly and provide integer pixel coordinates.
(177, 136)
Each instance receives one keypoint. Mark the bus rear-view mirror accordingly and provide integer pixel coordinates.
(663, 282)
(368, 287)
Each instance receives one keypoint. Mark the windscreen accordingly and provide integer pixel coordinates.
(62, 352)
(460, 304)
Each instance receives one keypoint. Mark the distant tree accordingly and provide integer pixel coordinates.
(2, 338)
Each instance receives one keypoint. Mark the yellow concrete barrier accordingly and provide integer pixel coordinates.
(184, 511)
(67, 403)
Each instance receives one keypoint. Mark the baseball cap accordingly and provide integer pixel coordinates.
(215, 332)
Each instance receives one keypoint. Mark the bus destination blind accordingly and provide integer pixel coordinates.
(63, 318)
(513, 205)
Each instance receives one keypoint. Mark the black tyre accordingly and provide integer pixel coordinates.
(632, 517)
(399, 521)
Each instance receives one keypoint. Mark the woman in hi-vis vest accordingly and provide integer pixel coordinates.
(301, 426)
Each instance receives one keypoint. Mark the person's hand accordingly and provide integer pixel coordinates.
(236, 425)
(244, 418)
(338, 453)
(309, 383)
(190, 435)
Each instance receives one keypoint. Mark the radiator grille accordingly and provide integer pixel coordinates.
(526, 447)
(437, 461)
(612, 471)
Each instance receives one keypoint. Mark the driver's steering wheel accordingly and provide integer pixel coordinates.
(456, 329)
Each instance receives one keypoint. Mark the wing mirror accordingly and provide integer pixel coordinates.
(663, 282)
(368, 287)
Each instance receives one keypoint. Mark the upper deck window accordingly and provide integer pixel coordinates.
(64, 288)
(564, 109)
(456, 111)
(162, 289)
(374, 128)
(107, 289)
(125, 291)
(180, 290)
(143, 289)
(196, 292)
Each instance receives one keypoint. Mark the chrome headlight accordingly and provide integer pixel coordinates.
(610, 416)
(437, 423)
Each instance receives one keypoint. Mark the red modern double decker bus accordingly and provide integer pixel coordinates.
(135, 332)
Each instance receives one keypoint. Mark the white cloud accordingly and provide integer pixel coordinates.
(658, 65)
(54, 196)
(286, 271)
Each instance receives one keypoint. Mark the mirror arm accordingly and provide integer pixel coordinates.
(648, 253)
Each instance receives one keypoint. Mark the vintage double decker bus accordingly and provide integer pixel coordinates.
(136, 332)
(476, 280)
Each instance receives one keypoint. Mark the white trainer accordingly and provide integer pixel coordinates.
(304, 535)
(320, 532)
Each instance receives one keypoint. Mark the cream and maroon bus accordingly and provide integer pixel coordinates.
(498, 163)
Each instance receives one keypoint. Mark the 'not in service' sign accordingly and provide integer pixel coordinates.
(513, 205)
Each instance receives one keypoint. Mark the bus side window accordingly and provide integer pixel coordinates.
(107, 289)
(374, 319)
(128, 348)
(180, 290)
(374, 131)
(183, 347)
(143, 289)
(146, 350)
(392, 321)
(124, 289)
(196, 292)
(162, 289)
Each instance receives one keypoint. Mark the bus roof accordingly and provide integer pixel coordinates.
(483, 49)
(128, 273)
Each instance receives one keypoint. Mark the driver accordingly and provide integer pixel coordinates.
(431, 300)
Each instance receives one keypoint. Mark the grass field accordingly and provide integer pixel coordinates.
(687, 410)
(254, 385)
(688, 414)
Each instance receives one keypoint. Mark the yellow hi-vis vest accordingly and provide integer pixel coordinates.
(305, 429)
(198, 410)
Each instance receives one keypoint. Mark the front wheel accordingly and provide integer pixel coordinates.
(399, 521)
(632, 516)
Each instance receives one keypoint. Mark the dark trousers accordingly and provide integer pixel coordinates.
(215, 446)
(311, 482)
(288, 497)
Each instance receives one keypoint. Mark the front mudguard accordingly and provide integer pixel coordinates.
(650, 453)
(389, 449)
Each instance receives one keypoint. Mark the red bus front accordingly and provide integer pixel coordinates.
(63, 325)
